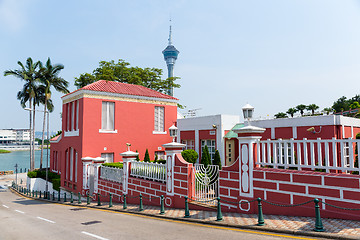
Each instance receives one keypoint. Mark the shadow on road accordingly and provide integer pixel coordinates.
(29, 202)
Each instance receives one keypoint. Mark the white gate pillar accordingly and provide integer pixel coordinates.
(91, 171)
(86, 161)
(127, 157)
(96, 165)
(247, 137)
(171, 149)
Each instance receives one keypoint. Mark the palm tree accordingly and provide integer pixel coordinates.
(328, 110)
(280, 115)
(312, 108)
(291, 111)
(301, 108)
(28, 73)
(49, 77)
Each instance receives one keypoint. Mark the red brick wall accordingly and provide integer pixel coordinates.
(293, 187)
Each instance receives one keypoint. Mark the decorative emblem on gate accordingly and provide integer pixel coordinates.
(206, 183)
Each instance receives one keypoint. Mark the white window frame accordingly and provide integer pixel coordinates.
(189, 144)
(72, 115)
(71, 163)
(211, 147)
(109, 157)
(105, 127)
(159, 120)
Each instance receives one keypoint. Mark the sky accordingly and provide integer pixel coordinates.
(272, 54)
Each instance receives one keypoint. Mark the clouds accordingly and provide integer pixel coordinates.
(13, 15)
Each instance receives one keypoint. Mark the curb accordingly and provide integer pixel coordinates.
(215, 223)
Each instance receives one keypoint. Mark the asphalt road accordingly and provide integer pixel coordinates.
(22, 218)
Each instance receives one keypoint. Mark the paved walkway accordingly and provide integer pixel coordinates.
(334, 228)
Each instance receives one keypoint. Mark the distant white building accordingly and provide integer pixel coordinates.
(14, 136)
(196, 132)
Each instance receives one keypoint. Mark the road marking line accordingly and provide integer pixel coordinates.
(208, 226)
(44, 219)
(198, 224)
(5, 206)
(93, 235)
(19, 211)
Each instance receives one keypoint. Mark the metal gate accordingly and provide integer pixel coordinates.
(206, 183)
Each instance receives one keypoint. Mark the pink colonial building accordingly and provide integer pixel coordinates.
(99, 119)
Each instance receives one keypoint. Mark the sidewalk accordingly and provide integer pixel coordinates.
(334, 228)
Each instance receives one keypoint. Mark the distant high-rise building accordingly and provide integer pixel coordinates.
(170, 55)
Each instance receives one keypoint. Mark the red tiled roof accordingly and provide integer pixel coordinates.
(124, 88)
(55, 138)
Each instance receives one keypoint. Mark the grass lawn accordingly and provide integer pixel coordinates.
(4, 151)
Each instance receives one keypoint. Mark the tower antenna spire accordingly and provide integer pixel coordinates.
(170, 55)
(170, 40)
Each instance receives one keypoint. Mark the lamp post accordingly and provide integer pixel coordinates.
(16, 171)
(47, 148)
(248, 111)
(173, 132)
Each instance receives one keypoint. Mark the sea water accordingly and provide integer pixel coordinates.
(22, 158)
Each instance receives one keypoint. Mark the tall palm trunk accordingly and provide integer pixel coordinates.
(34, 105)
(43, 134)
(31, 135)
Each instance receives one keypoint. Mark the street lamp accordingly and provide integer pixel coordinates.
(47, 147)
(16, 172)
(173, 132)
(248, 111)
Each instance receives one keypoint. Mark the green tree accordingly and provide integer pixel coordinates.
(342, 104)
(137, 156)
(29, 74)
(156, 158)
(205, 156)
(312, 108)
(121, 71)
(190, 155)
(49, 77)
(147, 156)
(217, 160)
(291, 111)
(354, 105)
(301, 108)
(356, 98)
(328, 110)
(280, 115)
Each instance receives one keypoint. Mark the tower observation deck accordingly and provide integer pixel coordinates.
(170, 55)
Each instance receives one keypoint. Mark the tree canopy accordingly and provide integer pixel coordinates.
(121, 71)
(301, 108)
(312, 108)
(280, 115)
(344, 104)
(291, 111)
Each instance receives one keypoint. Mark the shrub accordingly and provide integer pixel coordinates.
(147, 156)
(205, 156)
(161, 161)
(217, 160)
(52, 177)
(137, 157)
(114, 165)
(156, 158)
(56, 184)
(190, 155)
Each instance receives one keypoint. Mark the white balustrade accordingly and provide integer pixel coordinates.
(329, 155)
(149, 171)
(111, 174)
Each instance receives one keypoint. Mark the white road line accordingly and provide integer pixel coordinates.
(93, 235)
(5, 206)
(19, 211)
(44, 219)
